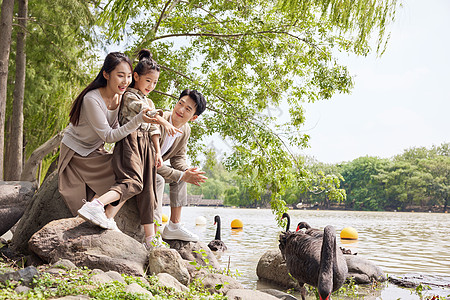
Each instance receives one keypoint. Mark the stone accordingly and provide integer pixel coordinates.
(64, 264)
(195, 271)
(115, 276)
(413, 280)
(55, 271)
(362, 270)
(21, 289)
(24, 275)
(33, 260)
(272, 267)
(45, 206)
(192, 251)
(219, 283)
(135, 288)
(279, 294)
(164, 260)
(88, 245)
(128, 220)
(241, 294)
(101, 278)
(14, 198)
(168, 280)
(144, 281)
(6, 251)
(77, 297)
(48, 205)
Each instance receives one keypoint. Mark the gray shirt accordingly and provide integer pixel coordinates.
(97, 125)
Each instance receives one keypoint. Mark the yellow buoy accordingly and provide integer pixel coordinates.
(236, 224)
(164, 218)
(349, 233)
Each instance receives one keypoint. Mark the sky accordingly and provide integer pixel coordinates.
(400, 101)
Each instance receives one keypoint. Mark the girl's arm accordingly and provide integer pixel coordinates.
(158, 157)
(171, 130)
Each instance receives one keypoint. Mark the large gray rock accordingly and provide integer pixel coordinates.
(48, 205)
(88, 245)
(25, 275)
(238, 294)
(362, 270)
(165, 260)
(14, 198)
(272, 267)
(192, 251)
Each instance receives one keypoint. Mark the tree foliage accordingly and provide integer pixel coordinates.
(248, 56)
(419, 177)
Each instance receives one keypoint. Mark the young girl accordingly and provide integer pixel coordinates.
(133, 158)
(84, 166)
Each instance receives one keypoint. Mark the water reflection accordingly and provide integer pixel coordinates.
(399, 243)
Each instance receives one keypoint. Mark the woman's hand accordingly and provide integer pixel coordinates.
(158, 160)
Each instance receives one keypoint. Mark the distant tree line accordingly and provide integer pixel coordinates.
(419, 178)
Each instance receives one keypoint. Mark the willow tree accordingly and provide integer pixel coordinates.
(249, 56)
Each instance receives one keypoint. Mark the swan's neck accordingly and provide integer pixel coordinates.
(327, 259)
(218, 230)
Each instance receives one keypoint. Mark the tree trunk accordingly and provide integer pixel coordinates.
(13, 166)
(32, 164)
(5, 45)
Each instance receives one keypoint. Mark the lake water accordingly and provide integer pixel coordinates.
(397, 242)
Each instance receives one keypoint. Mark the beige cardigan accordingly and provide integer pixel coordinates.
(176, 153)
(97, 125)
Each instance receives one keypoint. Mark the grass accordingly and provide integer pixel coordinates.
(78, 282)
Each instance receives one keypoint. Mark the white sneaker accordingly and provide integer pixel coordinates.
(112, 225)
(94, 213)
(180, 233)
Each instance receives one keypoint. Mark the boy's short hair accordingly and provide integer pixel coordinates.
(198, 98)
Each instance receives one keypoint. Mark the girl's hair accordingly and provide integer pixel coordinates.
(112, 60)
(145, 65)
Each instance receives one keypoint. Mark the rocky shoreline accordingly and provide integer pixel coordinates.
(52, 254)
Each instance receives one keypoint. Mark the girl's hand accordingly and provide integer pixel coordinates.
(148, 117)
(158, 160)
(172, 130)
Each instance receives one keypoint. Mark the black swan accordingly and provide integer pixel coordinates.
(309, 230)
(285, 215)
(314, 260)
(217, 244)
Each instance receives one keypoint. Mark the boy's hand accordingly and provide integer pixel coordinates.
(158, 160)
(194, 176)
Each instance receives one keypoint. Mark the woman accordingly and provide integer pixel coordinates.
(85, 168)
